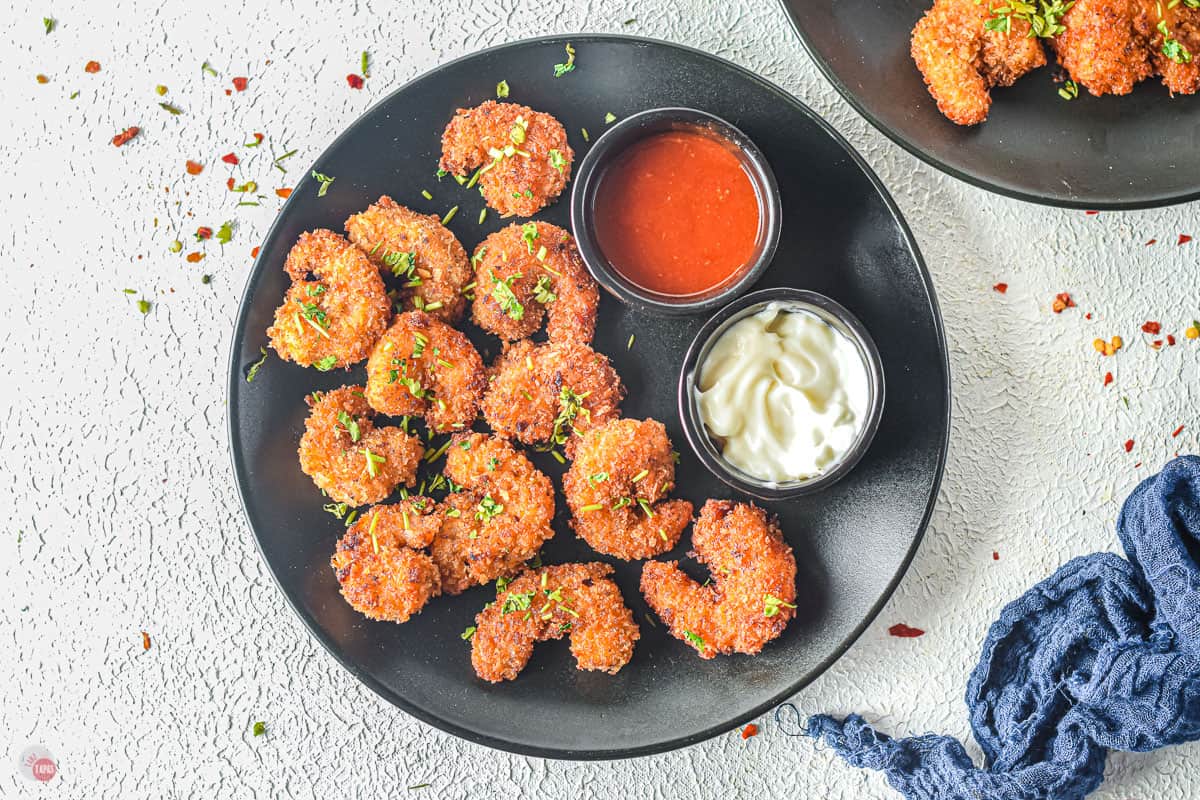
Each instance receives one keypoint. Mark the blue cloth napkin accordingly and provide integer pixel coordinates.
(1103, 655)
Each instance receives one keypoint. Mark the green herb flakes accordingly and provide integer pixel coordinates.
(569, 66)
(502, 90)
(324, 180)
(252, 373)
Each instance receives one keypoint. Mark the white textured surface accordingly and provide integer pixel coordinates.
(122, 515)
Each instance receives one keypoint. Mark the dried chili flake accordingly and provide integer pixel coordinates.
(254, 253)
(1183, 239)
(1088, 315)
(1000, 287)
(285, 192)
(194, 258)
(229, 184)
(1091, 213)
(1062, 301)
(1170, 340)
(995, 556)
(230, 158)
(145, 641)
(749, 730)
(355, 81)
(241, 83)
(1129, 445)
(1152, 241)
(1152, 327)
(1108, 378)
(124, 136)
(194, 167)
(91, 67)
(42, 78)
(1177, 431)
(203, 232)
(905, 631)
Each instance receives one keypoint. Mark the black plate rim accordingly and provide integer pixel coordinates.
(237, 454)
(976, 180)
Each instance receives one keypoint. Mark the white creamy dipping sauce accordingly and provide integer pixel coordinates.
(783, 394)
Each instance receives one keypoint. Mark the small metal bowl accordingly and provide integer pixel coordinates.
(610, 146)
(702, 443)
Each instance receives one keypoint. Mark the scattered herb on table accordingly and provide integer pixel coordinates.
(260, 728)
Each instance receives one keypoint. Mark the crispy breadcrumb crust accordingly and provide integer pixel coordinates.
(1106, 45)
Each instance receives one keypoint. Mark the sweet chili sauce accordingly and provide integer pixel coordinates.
(676, 213)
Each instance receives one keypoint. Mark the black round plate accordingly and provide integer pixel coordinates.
(1137, 151)
(842, 236)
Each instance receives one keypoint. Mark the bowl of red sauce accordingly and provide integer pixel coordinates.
(675, 211)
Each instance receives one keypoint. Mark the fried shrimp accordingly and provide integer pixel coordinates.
(1106, 45)
(522, 155)
(545, 394)
(575, 600)
(526, 272)
(500, 519)
(753, 594)
(1176, 53)
(961, 60)
(379, 564)
(336, 307)
(418, 249)
(347, 456)
(424, 368)
(616, 487)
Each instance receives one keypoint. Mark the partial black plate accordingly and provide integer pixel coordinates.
(842, 236)
(1137, 151)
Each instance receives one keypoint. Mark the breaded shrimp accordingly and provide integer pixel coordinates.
(577, 600)
(379, 564)
(961, 60)
(545, 394)
(419, 250)
(1176, 55)
(500, 519)
(526, 272)
(523, 157)
(616, 487)
(424, 368)
(350, 459)
(1106, 45)
(336, 307)
(753, 592)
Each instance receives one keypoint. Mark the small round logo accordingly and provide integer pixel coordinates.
(37, 763)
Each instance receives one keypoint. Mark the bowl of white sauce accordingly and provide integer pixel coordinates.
(781, 393)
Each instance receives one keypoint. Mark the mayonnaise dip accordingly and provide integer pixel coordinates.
(783, 394)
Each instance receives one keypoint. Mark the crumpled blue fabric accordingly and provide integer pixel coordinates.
(1103, 655)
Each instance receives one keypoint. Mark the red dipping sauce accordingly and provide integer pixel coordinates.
(676, 213)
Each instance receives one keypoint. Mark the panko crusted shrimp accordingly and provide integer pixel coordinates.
(525, 273)
(575, 600)
(1176, 52)
(336, 308)
(616, 489)
(546, 394)
(380, 566)
(962, 60)
(422, 367)
(1106, 45)
(521, 155)
(498, 521)
(350, 459)
(420, 251)
(752, 596)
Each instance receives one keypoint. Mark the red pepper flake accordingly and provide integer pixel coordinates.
(228, 92)
(204, 232)
(258, 138)
(995, 556)
(1183, 239)
(42, 78)
(905, 631)
(1177, 431)
(1062, 301)
(241, 83)
(230, 158)
(285, 193)
(1170, 340)
(1000, 287)
(1129, 445)
(145, 641)
(254, 253)
(355, 81)
(1152, 241)
(194, 167)
(194, 258)
(1152, 327)
(1091, 213)
(1088, 315)
(92, 67)
(124, 136)
(749, 730)
(229, 183)
(1108, 378)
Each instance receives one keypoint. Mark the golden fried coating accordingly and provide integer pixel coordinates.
(1106, 45)
(418, 249)
(424, 368)
(501, 518)
(961, 60)
(753, 592)
(526, 272)
(616, 487)
(1176, 56)
(350, 459)
(336, 307)
(382, 572)
(545, 394)
(577, 600)
(523, 155)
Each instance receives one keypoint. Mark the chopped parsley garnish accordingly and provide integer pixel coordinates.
(338, 510)
(502, 584)
(425, 193)
(478, 257)
(49, 23)
(327, 363)
(542, 292)
(366, 62)
(563, 69)
(415, 388)
(314, 290)
(1069, 90)
(772, 604)
(420, 340)
(517, 601)
(502, 293)
(694, 639)
(502, 89)
(529, 234)
(252, 373)
(144, 306)
(225, 232)
(170, 109)
(350, 424)
(570, 408)
(1172, 48)
(449, 215)
(610, 118)
(517, 134)
(488, 508)
(468, 633)
(558, 160)
(260, 728)
(324, 180)
(313, 312)
(373, 460)
(401, 263)
(206, 69)
(597, 477)
(1045, 23)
